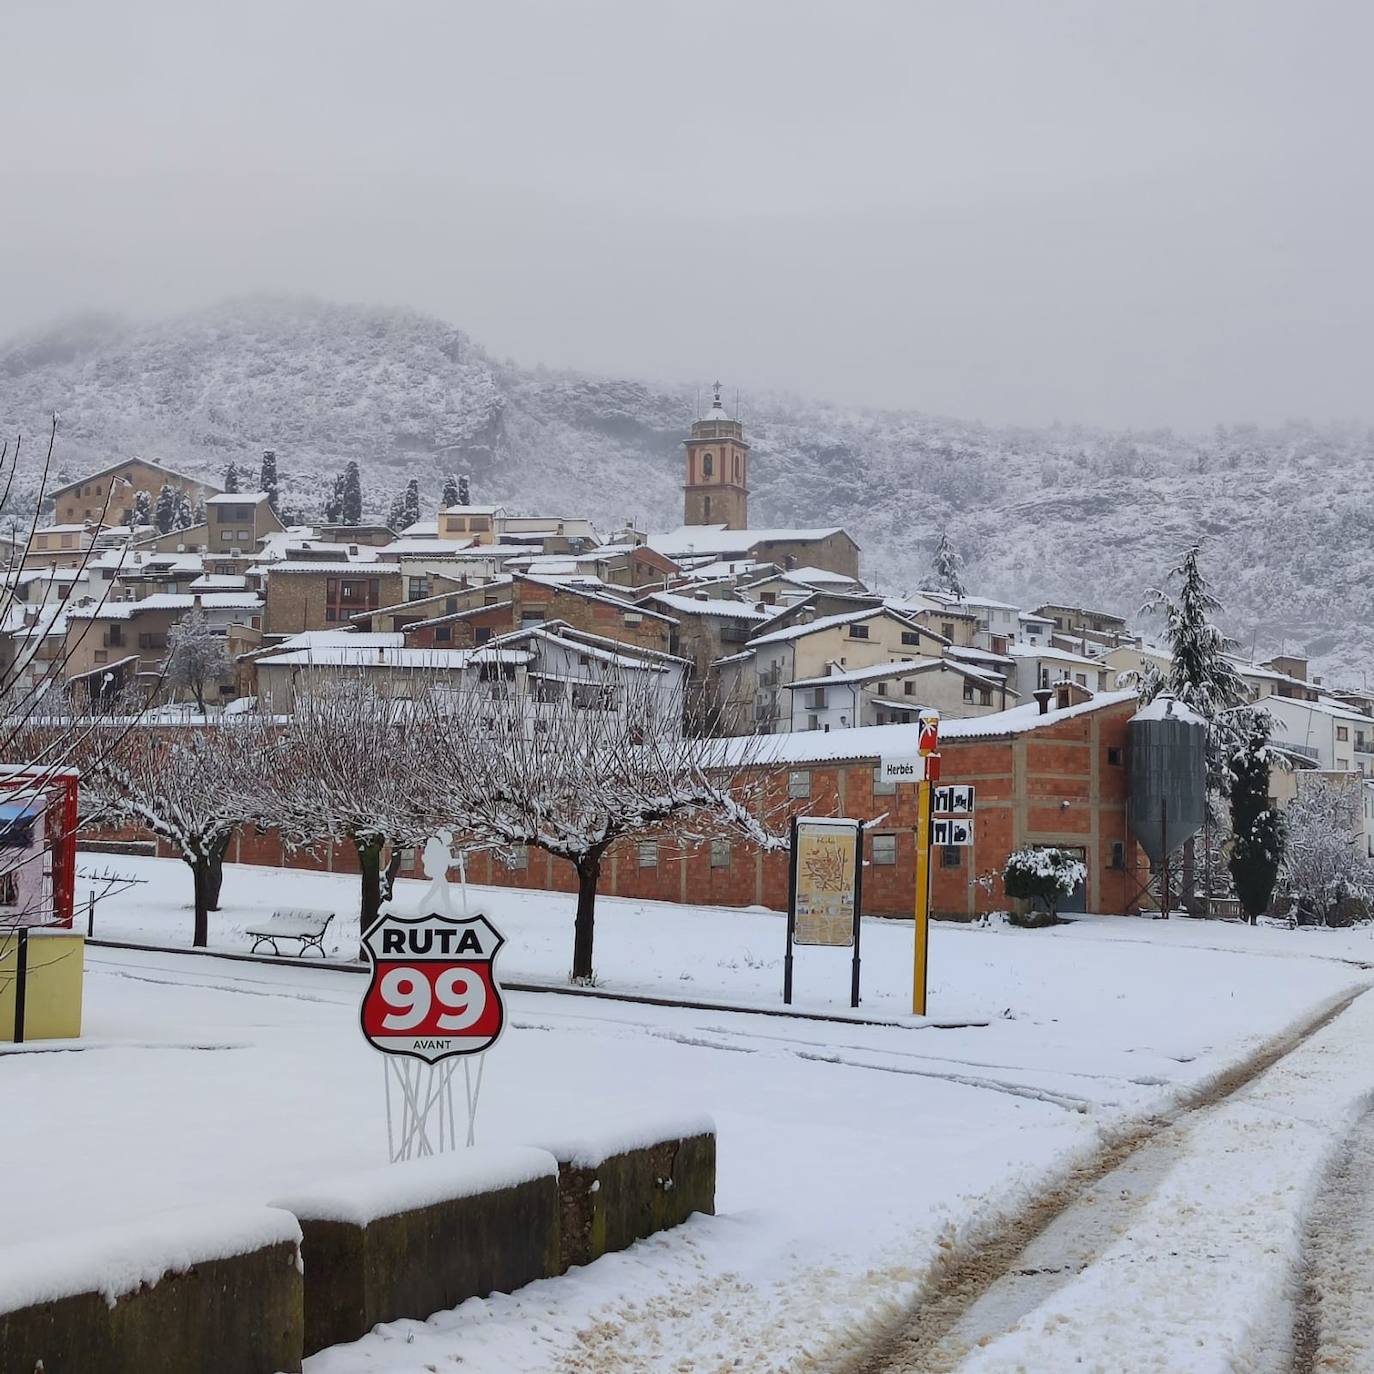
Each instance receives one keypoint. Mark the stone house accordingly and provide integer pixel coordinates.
(113, 490)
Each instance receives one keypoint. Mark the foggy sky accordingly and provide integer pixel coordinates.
(1147, 213)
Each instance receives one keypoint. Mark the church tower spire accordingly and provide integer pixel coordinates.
(716, 491)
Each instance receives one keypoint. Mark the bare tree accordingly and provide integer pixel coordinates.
(574, 768)
(349, 770)
(192, 786)
(1323, 863)
(197, 656)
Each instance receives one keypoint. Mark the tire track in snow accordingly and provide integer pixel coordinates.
(976, 1296)
(1334, 1325)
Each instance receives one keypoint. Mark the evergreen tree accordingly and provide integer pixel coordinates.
(199, 516)
(1257, 843)
(396, 515)
(464, 491)
(268, 480)
(231, 478)
(450, 496)
(165, 516)
(945, 567)
(143, 508)
(352, 495)
(185, 515)
(1200, 676)
(412, 502)
(333, 506)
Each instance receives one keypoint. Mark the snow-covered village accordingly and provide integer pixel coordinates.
(674, 855)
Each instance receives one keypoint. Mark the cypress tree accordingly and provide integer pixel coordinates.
(267, 481)
(231, 478)
(143, 508)
(333, 506)
(165, 516)
(464, 491)
(1257, 841)
(450, 496)
(352, 495)
(412, 502)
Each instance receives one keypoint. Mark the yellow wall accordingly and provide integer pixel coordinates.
(53, 1001)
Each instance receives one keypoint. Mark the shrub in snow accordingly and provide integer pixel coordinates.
(1323, 865)
(1043, 876)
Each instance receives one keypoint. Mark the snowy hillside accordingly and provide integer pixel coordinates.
(1082, 515)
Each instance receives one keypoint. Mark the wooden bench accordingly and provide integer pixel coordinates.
(293, 923)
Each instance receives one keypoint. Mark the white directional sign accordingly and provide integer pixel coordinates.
(953, 801)
(951, 832)
(902, 768)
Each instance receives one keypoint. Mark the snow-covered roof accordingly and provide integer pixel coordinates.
(896, 668)
(566, 636)
(1324, 706)
(62, 529)
(978, 655)
(238, 498)
(692, 605)
(1051, 654)
(219, 582)
(471, 510)
(169, 601)
(361, 568)
(827, 622)
(875, 741)
(1166, 707)
(324, 638)
(436, 548)
(718, 540)
(363, 656)
(578, 589)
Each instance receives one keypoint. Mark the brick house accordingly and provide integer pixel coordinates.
(322, 595)
(118, 485)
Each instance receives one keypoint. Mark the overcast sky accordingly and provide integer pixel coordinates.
(1144, 213)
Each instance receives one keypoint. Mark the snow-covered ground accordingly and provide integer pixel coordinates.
(852, 1157)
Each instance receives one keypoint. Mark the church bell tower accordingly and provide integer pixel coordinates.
(717, 488)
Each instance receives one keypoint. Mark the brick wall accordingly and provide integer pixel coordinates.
(1055, 786)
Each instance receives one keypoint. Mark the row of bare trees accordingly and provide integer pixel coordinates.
(383, 772)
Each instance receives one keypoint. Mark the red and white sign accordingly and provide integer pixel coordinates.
(433, 993)
(928, 733)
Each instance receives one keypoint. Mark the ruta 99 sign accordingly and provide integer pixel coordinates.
(433, 993)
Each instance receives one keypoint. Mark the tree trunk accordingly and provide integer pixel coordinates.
(1188, 894)
(215, 871)
(584, 926)
(370, 863)
(393, 867)
(200, 873)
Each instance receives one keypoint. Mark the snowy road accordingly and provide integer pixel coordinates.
(860, 1165)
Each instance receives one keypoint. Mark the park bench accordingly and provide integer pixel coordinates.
(293, 923)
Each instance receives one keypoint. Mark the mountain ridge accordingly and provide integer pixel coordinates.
(1067, 512)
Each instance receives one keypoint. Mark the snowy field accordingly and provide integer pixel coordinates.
(852, 1157)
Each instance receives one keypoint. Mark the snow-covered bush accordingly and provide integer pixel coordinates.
(1323, 867)
(1044, 877)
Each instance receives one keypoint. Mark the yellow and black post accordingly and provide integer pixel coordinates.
(929, 745)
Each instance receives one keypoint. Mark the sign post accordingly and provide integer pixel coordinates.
(432, 999)
(825, 892)
(929, 743)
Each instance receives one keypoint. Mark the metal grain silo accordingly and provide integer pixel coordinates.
(1168, 776)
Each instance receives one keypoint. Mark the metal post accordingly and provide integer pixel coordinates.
(791, 916)
(90, 916)
(21, 984)
(858, 910)
(1164, 846)
(922, 932)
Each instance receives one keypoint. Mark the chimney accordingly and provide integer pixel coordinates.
(1063, 697)
(1043, 695)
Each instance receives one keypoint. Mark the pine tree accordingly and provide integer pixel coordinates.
(231, 478)
(333, 506)
(268, 480)
(185, 515)
(1258, 839)
(143, 508)
(1200, 676)
(464, 491)
(412, 502)
(396, 515)
(945, 567)
(450, 496)
(165, 515)
(352, 495)
(199, 516)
